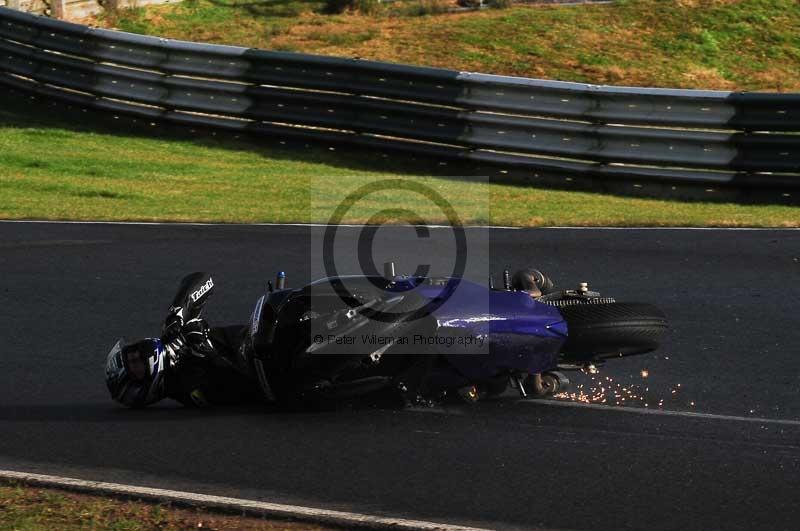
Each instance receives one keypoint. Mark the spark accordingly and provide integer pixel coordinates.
(600, 389)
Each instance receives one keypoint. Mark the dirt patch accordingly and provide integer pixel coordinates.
(705, 3)
(698, 76)
(773, 80)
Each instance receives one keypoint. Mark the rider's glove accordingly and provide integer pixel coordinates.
(172, 336)
(173, 326)
(176, 349)
(196, 333)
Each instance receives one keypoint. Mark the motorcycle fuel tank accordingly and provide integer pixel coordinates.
(481, 330)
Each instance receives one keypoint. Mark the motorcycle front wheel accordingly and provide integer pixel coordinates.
(601, 331)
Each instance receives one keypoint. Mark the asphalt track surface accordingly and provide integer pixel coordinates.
(68, 290)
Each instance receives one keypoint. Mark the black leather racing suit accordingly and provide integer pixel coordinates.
(216, 365)
(207, 365)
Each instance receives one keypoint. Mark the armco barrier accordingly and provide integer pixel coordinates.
(745, 140)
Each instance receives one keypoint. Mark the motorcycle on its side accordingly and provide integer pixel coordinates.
(434, 337)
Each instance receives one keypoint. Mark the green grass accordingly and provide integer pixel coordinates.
(722, 44)
(52, 167)
(25, 508)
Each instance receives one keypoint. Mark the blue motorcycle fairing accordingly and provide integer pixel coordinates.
(520, 333)
(499, 329)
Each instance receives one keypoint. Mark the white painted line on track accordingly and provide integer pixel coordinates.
(351, 225)
(662, 412)
(199, 224)
(339, 518)
(720, 229)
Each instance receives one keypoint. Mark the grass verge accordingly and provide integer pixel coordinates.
(58, 167)
(706, 44)
(37, 509)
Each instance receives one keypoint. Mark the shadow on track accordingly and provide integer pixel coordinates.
(99, 412)
(169, 411)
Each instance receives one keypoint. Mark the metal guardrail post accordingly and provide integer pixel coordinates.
(357, 130)
(596, 121)
(58, 9)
